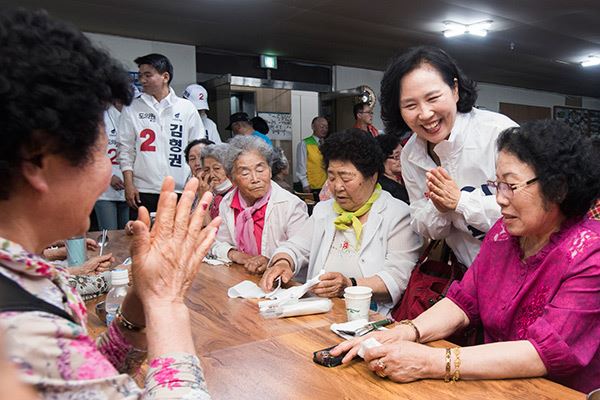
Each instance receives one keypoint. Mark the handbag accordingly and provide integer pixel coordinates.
(429, 282)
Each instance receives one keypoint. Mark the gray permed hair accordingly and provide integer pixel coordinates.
(216, 151)
(241, 144)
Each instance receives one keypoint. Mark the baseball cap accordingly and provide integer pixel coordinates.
(237, 117)
(197, 95)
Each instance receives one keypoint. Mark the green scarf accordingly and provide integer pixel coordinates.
(347, 218)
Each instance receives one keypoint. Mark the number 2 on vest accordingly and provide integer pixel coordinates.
(150, 137)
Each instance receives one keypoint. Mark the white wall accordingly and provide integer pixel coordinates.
(350, 78)
(305, 106)
(183, 57)
(491, 95)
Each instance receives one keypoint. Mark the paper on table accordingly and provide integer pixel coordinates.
(249, 290)
(351, 326)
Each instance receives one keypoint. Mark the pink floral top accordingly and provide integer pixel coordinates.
(59, 358)
(551, 299)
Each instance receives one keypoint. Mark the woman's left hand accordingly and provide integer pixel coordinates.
(443, 191)
(256, 264)
(332, 285)
(406, 361)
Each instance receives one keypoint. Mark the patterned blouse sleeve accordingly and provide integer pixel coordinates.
(172, 376)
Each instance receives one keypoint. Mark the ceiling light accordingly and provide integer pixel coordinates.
(591, 61)
(457, 29)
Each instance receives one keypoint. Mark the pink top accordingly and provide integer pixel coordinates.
(551, 299)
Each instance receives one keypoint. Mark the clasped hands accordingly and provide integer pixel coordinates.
(443, 191)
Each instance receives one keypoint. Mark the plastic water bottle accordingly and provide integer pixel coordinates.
(119, 279)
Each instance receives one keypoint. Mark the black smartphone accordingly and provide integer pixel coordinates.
(324, 357)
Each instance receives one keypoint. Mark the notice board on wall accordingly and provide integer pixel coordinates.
(280, 125)
(585, 120)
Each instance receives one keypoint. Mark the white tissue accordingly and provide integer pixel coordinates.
(246, 290)
(249, 290)
(350, 326)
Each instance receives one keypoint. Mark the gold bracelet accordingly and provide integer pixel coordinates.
(456, 375)
(448, 365)
(126, 324)
(410, 323)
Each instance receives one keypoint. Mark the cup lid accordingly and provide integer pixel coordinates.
(358, 290)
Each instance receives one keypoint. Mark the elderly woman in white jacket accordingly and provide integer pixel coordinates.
(258, 215)
(360, 237)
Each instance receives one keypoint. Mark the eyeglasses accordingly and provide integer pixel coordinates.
(394, 157)
(365, 112)
(507, 189)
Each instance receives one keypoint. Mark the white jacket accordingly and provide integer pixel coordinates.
(152, 139)
(111, 118)
(389, 247)
(469, 156)
(285, 215)
(210, 130)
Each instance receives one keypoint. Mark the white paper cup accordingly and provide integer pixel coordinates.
(358, 302)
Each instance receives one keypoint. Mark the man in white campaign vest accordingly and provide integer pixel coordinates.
(111, 209)
(153, 133)
(199, 97)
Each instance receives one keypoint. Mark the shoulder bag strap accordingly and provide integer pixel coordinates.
(14, 298)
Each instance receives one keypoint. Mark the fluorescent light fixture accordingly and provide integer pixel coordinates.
(591, 61)
(269, 62)
(456, 29)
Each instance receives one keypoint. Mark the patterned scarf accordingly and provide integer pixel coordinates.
(244, 224)
(346, 219)
(16, 259)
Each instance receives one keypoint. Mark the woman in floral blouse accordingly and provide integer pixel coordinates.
(55, 86)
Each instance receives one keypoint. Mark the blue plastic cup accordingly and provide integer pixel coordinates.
(76, 251)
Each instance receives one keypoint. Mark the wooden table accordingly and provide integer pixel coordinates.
(247, 357)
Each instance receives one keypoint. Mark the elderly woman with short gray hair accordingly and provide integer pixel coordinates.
(213, 174)
(258, 215)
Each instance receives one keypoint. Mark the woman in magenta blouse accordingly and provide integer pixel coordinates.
(534, 286)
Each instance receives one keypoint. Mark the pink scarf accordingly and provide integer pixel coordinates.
(244, 224)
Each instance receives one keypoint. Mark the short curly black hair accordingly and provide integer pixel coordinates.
(55, 86)
(407, 62)
(355, 146)
(388, 144)
(564, 160)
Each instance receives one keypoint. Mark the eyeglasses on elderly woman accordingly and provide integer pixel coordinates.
(507, 189)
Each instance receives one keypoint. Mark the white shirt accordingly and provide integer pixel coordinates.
(210, 129)
(469, 156)
(111, 118)
(152, 136)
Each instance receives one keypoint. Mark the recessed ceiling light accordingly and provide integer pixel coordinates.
(591, 61)
(456, 29)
